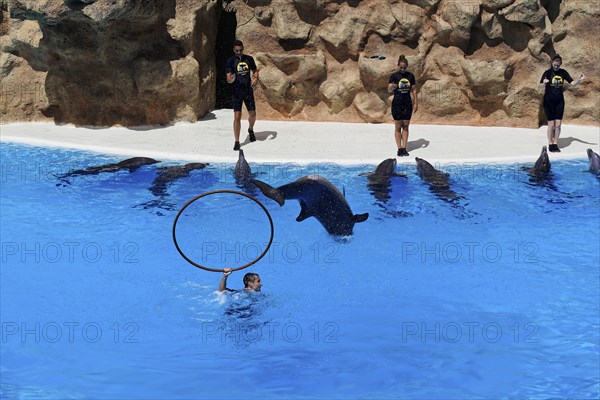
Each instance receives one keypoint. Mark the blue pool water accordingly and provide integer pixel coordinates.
(492, 294)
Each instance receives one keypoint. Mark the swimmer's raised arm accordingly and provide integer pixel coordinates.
(223, 283)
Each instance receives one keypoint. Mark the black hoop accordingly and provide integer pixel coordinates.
(230, 192)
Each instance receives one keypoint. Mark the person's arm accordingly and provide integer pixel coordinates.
(544, 79)
(392, 84)
(223, 283)
(582, 77)
(254, 78)
(415, 102)
(253, 71)
(229, 72)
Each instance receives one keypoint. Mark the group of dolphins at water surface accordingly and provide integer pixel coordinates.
(318, 197)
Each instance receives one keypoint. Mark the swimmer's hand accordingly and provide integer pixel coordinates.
(223, 283)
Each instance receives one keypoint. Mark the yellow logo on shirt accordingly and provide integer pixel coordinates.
(404, 85)
(243, 68)
(557, 81)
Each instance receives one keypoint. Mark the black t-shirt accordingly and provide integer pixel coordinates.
(405, 81)
(556, 79)
(241, 67)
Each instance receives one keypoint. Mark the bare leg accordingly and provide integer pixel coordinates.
(557, 125)
(550, 131)
(398, 133)
(251, 119)
(237, 124)
(404, 140)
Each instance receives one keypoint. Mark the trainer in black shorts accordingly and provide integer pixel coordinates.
(554, 99)
(403, 84)
(242, 74)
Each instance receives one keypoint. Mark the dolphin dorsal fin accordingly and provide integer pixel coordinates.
(304, 212)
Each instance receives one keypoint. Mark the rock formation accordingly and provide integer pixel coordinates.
(152, 62)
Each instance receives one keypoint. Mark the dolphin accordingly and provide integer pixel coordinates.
(318, 198)
(542, 164)
(540, 174)
(380, 179)
(242, 168)
(594, 160)
(168, 174)
(131, 164)
(243, 175)
(437, 180)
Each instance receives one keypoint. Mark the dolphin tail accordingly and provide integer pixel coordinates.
(360, 217)
(269, 191)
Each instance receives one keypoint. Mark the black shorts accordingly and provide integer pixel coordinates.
(243, 97)
(401, 109)
(554, 108)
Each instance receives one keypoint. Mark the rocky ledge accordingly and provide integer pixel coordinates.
(156, 62)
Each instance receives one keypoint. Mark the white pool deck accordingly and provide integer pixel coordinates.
(211, 140)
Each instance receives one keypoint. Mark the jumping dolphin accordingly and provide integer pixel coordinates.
(168, 174)
(131, 164)
(437, 180)
(318, 198)
(594, 160)
(380, 179)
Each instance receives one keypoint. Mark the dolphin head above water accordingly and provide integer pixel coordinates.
(386, 167)
(242, 168)
(542, 164)
(594, 160)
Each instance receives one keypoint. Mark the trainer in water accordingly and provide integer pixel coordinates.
(404, 104)
(242, 74)
(252, 282)
(554, 99)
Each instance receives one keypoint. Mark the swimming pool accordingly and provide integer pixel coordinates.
(494, 294)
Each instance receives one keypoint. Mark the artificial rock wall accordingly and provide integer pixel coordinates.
(147, 62)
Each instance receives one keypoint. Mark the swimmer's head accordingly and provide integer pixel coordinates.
(252, 282)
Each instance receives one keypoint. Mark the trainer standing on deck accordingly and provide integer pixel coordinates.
(554, 100)
(404, 86)
(242, 73)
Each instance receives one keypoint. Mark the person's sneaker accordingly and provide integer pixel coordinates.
(551, 148)
(405, 153)
(399, 154)
(556, 149)
(236, 146)
(252, 137)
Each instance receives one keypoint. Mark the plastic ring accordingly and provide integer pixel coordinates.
(230, 192)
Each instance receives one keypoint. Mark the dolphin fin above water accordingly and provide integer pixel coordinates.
(304, 212)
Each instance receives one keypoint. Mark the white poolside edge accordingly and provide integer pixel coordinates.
(308, 142)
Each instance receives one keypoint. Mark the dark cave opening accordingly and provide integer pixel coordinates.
(224, 50)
